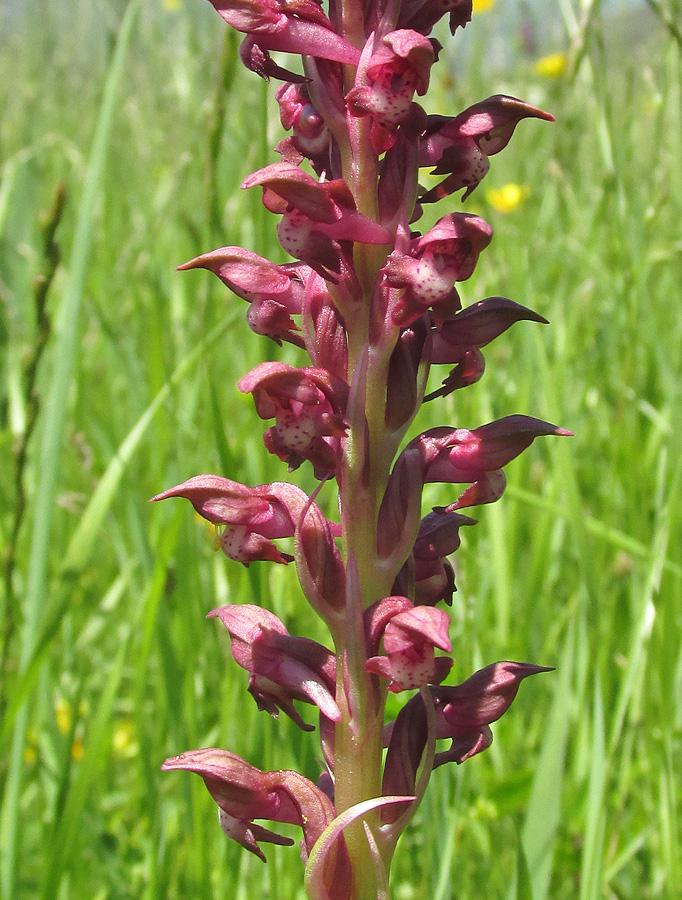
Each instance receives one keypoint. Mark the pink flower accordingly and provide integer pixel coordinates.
(445, 254)
(410, 635)
(281, 668)
(308, 405)
(292, 26)
(459, 147)
(245, 793)
(316, 216)
(388, 80)
(274, 293)
(251, 517)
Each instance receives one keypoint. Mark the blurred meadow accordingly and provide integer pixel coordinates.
(125, 131)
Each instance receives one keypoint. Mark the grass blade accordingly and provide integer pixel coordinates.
(83, 539)
(544, 807)
(592, 862)
(56, 401)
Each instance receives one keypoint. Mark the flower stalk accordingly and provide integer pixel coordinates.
(372, 305)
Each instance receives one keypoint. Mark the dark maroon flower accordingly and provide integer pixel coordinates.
(374, 304)
(464, 711)
(459, 147)
(428, 567)
(463, 714)
(460, 456)
(243, 793)
(422, 15)
(459, 339)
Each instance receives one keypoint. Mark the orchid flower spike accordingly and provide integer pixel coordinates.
(366, 305)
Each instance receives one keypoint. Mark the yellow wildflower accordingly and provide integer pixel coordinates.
(124, 743)
(31, 748)
(213, 533)
(30, 754)
(77, 750)
(551, 66)
(62, 713)
(481, 6)
(508, 197)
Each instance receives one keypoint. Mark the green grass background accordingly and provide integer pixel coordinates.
(124, 384)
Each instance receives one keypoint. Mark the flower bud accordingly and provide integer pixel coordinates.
(311, 136)
(402, 387)
(319, 566)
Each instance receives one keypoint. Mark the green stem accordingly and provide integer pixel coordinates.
(362, 479)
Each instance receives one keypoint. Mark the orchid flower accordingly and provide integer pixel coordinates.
(282, 668)
(459, 147)
(445, 254)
